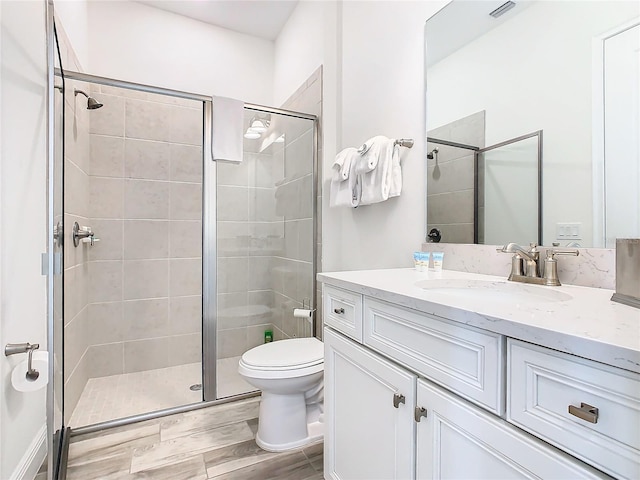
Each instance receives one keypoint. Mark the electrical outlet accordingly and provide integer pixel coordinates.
(569, 231)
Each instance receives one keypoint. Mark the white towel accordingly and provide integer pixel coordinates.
(376, 184)
(370, 153)
(395, 182)
(227, 123)
(342, 163)
(343, 178)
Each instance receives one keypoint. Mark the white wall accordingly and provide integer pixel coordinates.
(381, 92)
(299, 48)
(556, 82)
(135, 42)
(22, 222)
(74, 16)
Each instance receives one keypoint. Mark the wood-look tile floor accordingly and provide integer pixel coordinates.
(211, 443)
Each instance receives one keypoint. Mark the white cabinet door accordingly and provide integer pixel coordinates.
(366, 436)
(457, 440)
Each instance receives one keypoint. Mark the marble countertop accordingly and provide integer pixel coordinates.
(579, 320)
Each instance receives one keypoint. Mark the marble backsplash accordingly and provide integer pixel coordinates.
(594, 267)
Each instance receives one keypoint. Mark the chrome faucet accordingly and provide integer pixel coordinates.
(526, 267)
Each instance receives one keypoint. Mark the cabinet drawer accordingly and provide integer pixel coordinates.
(465, 360)
(343, 311)
(543, 385)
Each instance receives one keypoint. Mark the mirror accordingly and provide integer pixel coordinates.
(535, 68)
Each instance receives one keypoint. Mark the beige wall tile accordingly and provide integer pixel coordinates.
(109, 232)
(185, 277)
(255, 334)
(234, 174)
(106, 156)
(233, 239)
(148, 120)
(264, 170)
(105, 360)
(105, 323)
(232, 343)
(108, 120)
(74, 385)
(76, 287)
(76, 135)
(456, 207)
(146, 239)
(291, 243)
(186, 125)
(75, 333)
(233, 204)
(185, 239)
(106, 197)
(142, 355)
(146, 159)
(146, 318)
(186, 163)
(146, 199)
(145, 279)
(262, 205)
(299, 156)
(105, 281)
(185, 315)
(185, 349)
(451, 176)
(305, 240)
(233, 274)
(259, 277)
(76, 191)
(186, 201)
(304, 281)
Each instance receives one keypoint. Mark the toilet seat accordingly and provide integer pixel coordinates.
(289, 358)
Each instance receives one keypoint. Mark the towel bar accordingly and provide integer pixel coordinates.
(404, 142)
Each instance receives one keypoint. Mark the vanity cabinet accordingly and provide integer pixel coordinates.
(420, 397)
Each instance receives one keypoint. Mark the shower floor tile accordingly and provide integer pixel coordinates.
(119, 396)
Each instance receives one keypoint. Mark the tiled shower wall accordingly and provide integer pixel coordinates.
(139, 187)
(450, 179)
(265, 233)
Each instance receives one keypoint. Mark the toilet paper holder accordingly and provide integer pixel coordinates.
(14, 348)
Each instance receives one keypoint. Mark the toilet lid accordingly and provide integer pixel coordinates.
(286, 354)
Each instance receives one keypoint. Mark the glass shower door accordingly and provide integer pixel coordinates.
(265, 240)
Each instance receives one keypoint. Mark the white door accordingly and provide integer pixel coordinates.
(621, 137)
(366, 436)
(457, 440)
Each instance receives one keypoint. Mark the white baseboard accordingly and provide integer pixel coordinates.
(32, 459)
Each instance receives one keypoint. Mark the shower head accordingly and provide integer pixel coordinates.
(92, 103)
(433, 154)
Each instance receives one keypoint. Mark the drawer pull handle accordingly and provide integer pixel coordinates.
(585, 412)
(398, 398)
(339, 311)
(419, 412)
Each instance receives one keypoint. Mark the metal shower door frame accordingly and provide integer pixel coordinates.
(209, 244)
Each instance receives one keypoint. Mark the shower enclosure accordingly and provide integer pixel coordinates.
(180, 264)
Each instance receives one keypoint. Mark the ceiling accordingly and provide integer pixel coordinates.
(260, 18)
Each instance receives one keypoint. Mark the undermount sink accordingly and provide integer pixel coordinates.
(493, 291)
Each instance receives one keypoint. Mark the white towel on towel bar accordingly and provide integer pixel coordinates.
(341, 189)
(385, 179)
(370, 153)
(227, 124)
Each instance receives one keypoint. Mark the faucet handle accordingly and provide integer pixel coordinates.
(551, 252)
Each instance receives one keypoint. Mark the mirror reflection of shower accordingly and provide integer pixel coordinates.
(433, 155)
(92, 103)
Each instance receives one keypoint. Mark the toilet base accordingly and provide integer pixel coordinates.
(316, 434)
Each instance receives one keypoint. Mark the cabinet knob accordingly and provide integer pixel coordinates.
(585, 412)
(339, 311)
(398, 398)
(419, 412)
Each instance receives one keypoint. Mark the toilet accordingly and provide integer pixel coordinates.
(290, 375)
